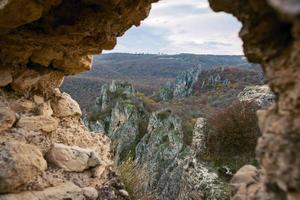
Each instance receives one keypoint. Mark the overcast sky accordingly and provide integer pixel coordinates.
(183, 26)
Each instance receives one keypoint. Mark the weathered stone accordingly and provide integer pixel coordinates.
(43, 80)
(66, 190)
(124, 128)
(185, 81)
(278, 148)
(36, 123)
(38, 99)
(72, 158)
(260, 95)
(66, 106)
(90, 193)
(7, 118)
(19, 164)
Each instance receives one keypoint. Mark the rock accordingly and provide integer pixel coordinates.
(260, 95)
(124, 193)
(66, 190)
(19, 164)
(158, 149)
(72, 158)
(23, 106)
(200, 134)
(120, 114)
(6, 77)
(124, 128)
(124, 87)
(36, 123)
(45, 109)
(7, 118)
(30, 79)
(38, 99)
(66, 106)
(96, 126)
(185, 81)
(90, 192)
(166, 93)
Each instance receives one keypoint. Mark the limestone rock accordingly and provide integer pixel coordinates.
(185, 81)
(66, 106)
(124, 128)
(66, 190)
(200, 134)
(36, 123)
(159, 147)
(19, 164)
(72, 158)
(29, 79)
(7, 118)
(260, 95)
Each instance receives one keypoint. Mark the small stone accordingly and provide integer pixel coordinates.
(37, 123)
(66, 106)
(90, 192)
(38, 99)
(72, 158)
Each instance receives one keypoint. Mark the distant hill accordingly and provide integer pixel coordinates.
(147, 72)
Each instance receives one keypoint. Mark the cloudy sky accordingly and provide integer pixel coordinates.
(189, 26)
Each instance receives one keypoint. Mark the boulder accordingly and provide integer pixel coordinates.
(72, 158)
(66, 190)
(19, 164)
(7, 118)
(66, 106)
(37, 123)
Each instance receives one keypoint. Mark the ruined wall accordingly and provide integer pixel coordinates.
(45, 151)
(271, 36)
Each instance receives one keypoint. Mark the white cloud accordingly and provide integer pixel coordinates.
(184, 26)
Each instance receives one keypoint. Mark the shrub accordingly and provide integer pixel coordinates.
(234, 129)
(188, 130)
(128, 174)
(234, 134)
(149, 103)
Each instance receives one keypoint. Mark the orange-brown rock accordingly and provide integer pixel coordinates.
(271, 36)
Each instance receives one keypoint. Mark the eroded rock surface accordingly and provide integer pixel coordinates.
(40, 43)
(260, 95)
(271, 36)
(19, 164)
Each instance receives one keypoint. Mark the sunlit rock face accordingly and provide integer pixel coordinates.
(46, 151)
(271, 35)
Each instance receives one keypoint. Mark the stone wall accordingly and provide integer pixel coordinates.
(271, 36)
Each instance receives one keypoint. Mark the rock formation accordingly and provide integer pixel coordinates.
(119, 114)
(45, 150)
(271, 37)
(260, 95)
(182, 87)
(155, 143)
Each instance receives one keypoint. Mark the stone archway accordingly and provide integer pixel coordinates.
(42, 41)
